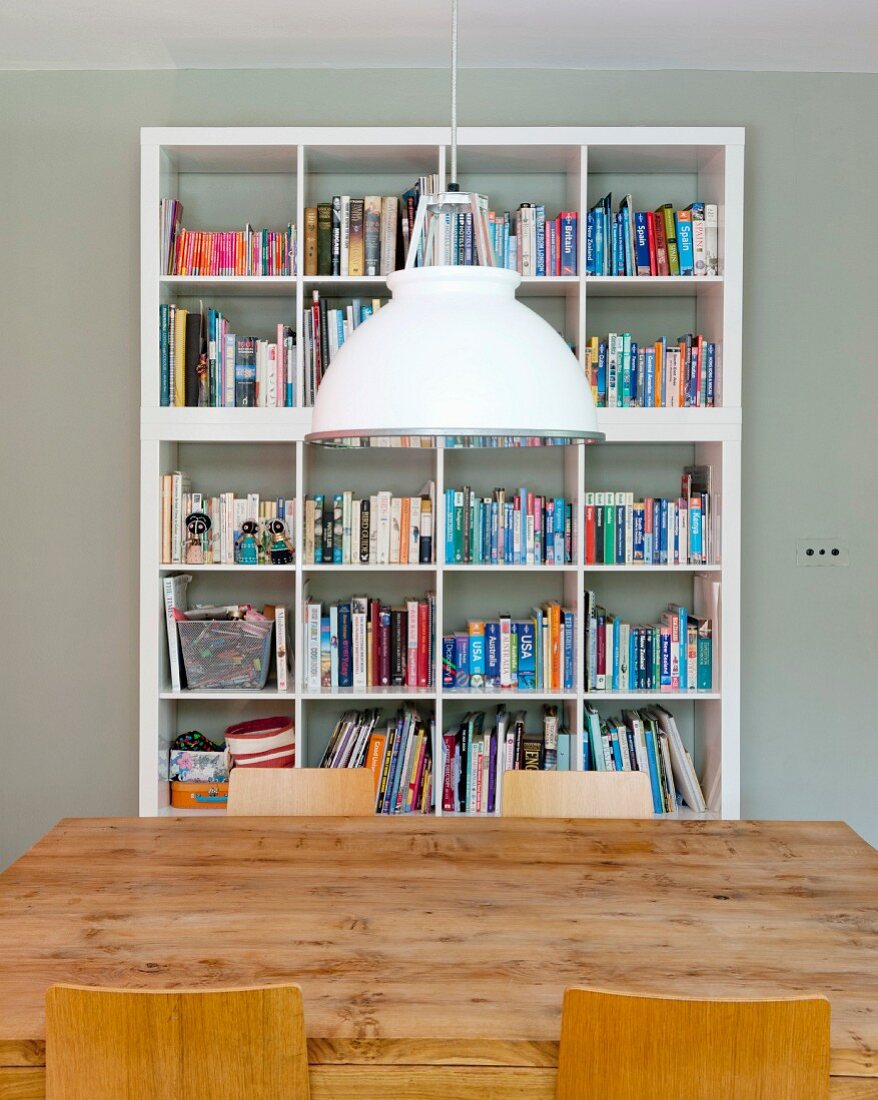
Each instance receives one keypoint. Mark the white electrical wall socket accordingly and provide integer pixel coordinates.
(822, 552)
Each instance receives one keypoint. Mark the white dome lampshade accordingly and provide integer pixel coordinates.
(454, 360)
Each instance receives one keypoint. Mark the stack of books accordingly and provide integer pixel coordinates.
(203, 363)
(381, 529)
(675, 654)
(647, 741)
(226, 512)
(620, 530)
(246, 252)
(506, 528)
(399, 753)
(670, 374)
(536, 653)
(363, 643)
(665, 241)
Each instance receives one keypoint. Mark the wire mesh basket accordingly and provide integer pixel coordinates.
(226, 654)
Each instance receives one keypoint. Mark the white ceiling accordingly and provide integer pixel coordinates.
(800, 35)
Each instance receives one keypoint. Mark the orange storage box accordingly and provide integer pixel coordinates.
(199, 796)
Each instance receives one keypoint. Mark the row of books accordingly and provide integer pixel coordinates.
(620, 530)
(206, 252)
(226, 514)
(362, 236)
(324, 331)
(202, 363)
(665, 241)
(380, 529)
(673, 655)
(362, 643)
(532, 653)
(524, 240)
(646, 741)
(398, 751)
(521, 528)
(671, 374)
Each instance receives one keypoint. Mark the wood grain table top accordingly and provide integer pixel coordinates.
(464, 932)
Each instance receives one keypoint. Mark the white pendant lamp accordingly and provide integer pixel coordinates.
(453, 359)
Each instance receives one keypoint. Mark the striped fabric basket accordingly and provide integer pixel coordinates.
(262, 743)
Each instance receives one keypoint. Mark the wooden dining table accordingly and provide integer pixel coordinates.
(433, 953)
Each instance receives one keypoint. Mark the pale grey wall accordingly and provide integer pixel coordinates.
(69, 399)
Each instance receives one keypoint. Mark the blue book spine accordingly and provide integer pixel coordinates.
(477, 660)
(637, 534)
(641, 684)
(589, 243)
(494, 537)
(649, 377)
(626, 370)
(615, 665)
(638, 365)
(526, 654)
(632, 658)
(684, 245)
(318, 542)
(695, 533)
(508, 522)
(617, 751)
(599, 242)
(705, 663)
(487, 532)
(558, 530)
(568, 660)
(627, 235)
(663, 531)
(641, 242)
(449, 667)
(365, 312)
(385, 804)
(586, 751)
(540, 223)
(619, 244)
(461, 660)
(345, 647)
(164, 357)
(403, 735)
(339, 325)
(569, 244)
(492, 654)
(602, 373)
(563, 762)
(657, 804)
(665, 658)
(449, 525)
(710, 372)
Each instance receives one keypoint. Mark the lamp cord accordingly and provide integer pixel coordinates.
(453, 183)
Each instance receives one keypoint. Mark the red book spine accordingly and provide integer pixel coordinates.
(650, 238)
(661, 245)
(448, 773)
(374, 607)
(423, 644)
(417, 777)
(558, 245)
(384, 647)
(589, 535)
(698, 353)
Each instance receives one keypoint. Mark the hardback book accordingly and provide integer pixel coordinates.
(356, 250)
(311, 253)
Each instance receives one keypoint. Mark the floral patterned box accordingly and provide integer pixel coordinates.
(187, 766)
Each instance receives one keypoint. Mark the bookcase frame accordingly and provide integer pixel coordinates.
(712, 158)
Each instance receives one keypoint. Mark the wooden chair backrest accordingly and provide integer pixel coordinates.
(303, 792)
(576, 794)
(626, 1047)
(105, 1044)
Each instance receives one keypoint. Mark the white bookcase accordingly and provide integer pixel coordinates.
(267, 176)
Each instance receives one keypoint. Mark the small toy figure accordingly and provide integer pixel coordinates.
(197, 526)
(280, 551)
(246, 551)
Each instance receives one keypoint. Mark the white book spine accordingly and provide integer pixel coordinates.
(414, 529)
(308, 534)
(373, 530)
(359, 614)
(612, 372)
(271, 386)
(229, 379)
(629, 528)
(711, 238)
(176, 518)
(355, 530)
(382, 554)
(684, 533)
(312, 646)
(346, 503)
(280, 646)
(395, 517)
